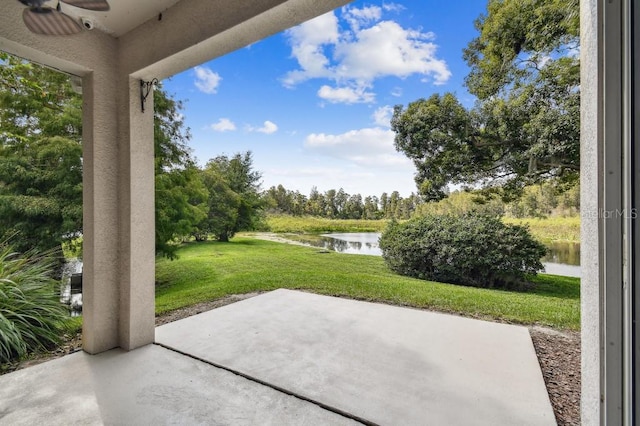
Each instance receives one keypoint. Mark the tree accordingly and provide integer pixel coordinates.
(524, 127)
(384, 204)
(394, 203)
(223, 204)
(40, 156)
(279, 200)
(340, 203)
(181, 205)
(180, 194)
(371, 208)
(299, 203)
(330, 209)
(41, 161)
(353, 208)
(315, 206)
(234, 200)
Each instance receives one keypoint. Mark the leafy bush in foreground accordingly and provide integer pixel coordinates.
(31, 315)
(470, 249)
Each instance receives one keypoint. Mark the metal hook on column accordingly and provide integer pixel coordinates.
(145, 89)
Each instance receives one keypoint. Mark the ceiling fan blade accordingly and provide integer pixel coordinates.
(33, 3)
(49, 21)
(97, 5)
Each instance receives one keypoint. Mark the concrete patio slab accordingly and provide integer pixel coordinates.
(149, 386)
(386, 364)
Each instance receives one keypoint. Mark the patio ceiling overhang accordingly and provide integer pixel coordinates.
(135, 41)
(157, 38)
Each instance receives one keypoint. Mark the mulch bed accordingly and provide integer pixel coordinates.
(559, 357)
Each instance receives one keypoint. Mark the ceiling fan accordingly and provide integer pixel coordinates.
(46, 20)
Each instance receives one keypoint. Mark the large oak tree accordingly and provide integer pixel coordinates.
(524, 127)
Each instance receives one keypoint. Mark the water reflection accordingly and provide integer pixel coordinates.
(563, 257)
(563, 252)
(71, 295)
(353, 243)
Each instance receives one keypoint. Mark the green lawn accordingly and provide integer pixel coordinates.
(207, 271)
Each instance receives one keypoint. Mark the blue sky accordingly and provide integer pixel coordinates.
(313, 103)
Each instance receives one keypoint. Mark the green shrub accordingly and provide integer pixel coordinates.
(31, 315)
(471, 249)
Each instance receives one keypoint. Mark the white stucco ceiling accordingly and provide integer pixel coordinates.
(123, 16)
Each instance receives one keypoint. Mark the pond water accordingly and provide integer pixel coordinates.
(563, 257)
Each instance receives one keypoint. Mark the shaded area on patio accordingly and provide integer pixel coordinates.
(382, 364)
(150, 385)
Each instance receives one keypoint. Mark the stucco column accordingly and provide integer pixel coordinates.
(137, 217)
(100, 212)
(591, 195)
(119, 222)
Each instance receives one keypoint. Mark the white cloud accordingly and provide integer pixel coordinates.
(388, 49)
(223, 125)
(207, 81)
(354, 58)
(393, 7)
(359, 17)
(307, 41)
(268, 127)
(347, 95)
(382, 116)
(397, 92)
(363, 147)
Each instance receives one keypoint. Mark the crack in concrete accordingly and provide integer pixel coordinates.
(275, 387)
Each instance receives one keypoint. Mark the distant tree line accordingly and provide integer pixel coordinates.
(338, 204)
(536, 201)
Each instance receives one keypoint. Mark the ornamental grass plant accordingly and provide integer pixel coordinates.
(31, 315)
